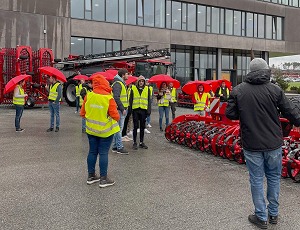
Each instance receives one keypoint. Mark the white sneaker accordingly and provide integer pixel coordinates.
(128, 138)
(138, 130)
(75, 111)
(125, 139)
(149, 126)
(147, 131)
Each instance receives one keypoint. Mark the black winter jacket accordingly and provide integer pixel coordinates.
(256, 103)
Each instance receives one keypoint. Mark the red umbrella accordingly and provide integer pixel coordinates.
(108, 76)
(227, 83)
(160, 78)
(81, 77)
(51, 71)
(192, 87)
(11, 85)
(131, 79)
(176, 84)
(112, 71)
(214, 84)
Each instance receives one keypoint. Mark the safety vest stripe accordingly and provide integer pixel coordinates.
(97, 122)
(102, 131)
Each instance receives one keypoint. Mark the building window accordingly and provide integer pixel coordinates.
(168, 14)
(160, 13)
(201, 22)
(112, 11)
(249, 25)
(184, 16)
(131, 12)
(98, 8)
(85, 46)
(88, 9)
(176, 15)
(77, 9)
(269, 27)
(228, 22)
(237, 23)
(215, 20)
(261, 26)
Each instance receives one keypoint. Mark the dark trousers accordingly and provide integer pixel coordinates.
(19, 113)
(173, 109)
(124, 131)
(139, 121)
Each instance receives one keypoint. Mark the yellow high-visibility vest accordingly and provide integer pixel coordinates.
(123, 95)
(19, 100)
(151, 90)
(173, 95)
(227, 91)
(98, 123)
(78, 89)
(164, 101)
(53, 92)
(80, 97)
(140, 100)
(201, 102)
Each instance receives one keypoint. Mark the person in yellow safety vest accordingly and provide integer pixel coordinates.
(54, 98)
(223, 92)
(148, 119)
(78, 89)
(127, 127)
(86, 88)
(173, 100)
(139, 102)
(163, 101)
(19, 102)
(101, 114)
(201, 100)
(121, 98)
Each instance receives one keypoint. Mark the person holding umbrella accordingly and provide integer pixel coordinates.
(19, 102)
(173, 99)
(163, 99)
(222, 92)
(55, 95)
(78, 89)
(201, 100)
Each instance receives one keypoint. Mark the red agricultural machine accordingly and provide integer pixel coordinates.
(219, 136)
(22, 60)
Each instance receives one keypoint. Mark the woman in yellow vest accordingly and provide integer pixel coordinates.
(19, 102)
(163, 99)
(139, 102)
(173, 100)
(101, 114)
(201, 100)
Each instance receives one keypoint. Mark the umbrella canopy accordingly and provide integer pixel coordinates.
(214, 84)
(108, 76)
(81, 77)
(131, 79)
(192, 87)
(160, 78)
(176, 84)
(51, 71)
(112, 71)
(11, 85)
(227, 83)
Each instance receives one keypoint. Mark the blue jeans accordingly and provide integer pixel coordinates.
(54, 110)
(77, 104)
(19, 113)
(262, 164)
(83, 124)
(101, 146)
(163, 110)
(148, 119)
(117, 142)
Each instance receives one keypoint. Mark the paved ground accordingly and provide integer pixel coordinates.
(43, 183)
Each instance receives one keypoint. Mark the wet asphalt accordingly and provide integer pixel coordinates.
(166, 187)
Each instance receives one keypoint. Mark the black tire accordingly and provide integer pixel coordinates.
(30, 102)
(69, 92)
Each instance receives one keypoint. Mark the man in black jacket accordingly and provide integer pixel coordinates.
(256, 103)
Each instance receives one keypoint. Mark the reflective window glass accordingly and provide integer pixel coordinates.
(228, 22)
(77, 9)
(222, 21)
(109, 46)
(88, 9)
(269, 27)
(77, 45)
(149, 13)
(249, 24)
(160, 13)
(176, 15)
(191, 15)
(98, 46)
(255, 25)
(208, 19)
(87, 46)
(121, 11)
(261, 26)
(112, 11)
(140, 12)
(116, 45)
(243, 24)
(201, 22)
(184, 16)
(237, 17)
(130, 12)
(98, 8)
(279, 27)
(168, 14)
(215, 20)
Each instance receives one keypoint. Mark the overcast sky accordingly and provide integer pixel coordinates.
(278, 60)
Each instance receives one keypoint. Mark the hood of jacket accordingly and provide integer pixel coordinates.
(258, 77)
(101, 84)
(118, 78)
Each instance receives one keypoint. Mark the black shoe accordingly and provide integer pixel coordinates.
(105, 182)
(122, 151)
(50, 130)
(92, 178)
(256, 221)
(273, 219)
(134, 146)
(56, 129)
(114, 150)
(19, 130)
(161, 129)
(143, 146)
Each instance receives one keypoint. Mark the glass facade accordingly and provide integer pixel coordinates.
(85, 46)
(294, 3)
(182, 16)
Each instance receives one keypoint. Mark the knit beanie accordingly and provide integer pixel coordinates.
(140, 78)
(258, 64)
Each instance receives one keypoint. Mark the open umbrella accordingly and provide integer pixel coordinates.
(176, 84)
(11, 85)
(227, 83)
(108, 76)
(192, 87)
(160, 78)
(51, 71)
(81, 77)
(131, 79)
(214, 84)
(112, 71)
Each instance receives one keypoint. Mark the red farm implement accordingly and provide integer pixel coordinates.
(219, 136)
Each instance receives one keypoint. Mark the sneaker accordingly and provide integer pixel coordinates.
(92, 178)
(143, 146)
(128, 138)
(122, 151)
(256, 221)
(273, 219)
(134, 146)
(114, 150)
(125, 139)
(138, 130)
(56, 129)
(50, 130)
(76, 112)
(105, 182)
(147, 131)
(19, 130)
(149, 126)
